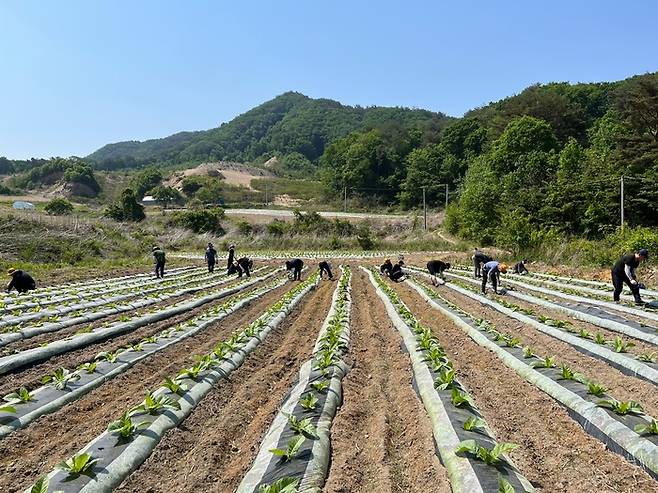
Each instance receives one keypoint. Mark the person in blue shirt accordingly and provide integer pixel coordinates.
(491, 271)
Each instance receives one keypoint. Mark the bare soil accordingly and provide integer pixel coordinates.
(555, 453)
(381, 438)
(53, 438)
(216, 445)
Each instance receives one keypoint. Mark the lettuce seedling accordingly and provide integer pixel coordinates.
(302, 426)
(504, 486)
(283, 485)
(512, 341)
(460, 399)
(600, 339)
(596, 389)
(320, 386)
(490, 457)
(584, 334)
(621, 407)
(547, 362)
(152, 404)
(60, 378)
(7, 409)
(41, 486)
(649, 429)
(124, 426)
(78, 464)
(88, 367)
(566, 373)
(528, 352)
(21, 395)
(309, 402)
(174, 386)
(474, 423)
(110, 357)
(294, 444)
(445, 380)
(621, 346)
(647, 357)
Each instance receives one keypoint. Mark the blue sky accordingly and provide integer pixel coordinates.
(77, 74)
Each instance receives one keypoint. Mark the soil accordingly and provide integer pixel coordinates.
(554, 452)
(217, 443)
(622, 387)
(54, 437)
(381, 438)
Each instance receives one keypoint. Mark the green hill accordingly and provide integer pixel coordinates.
(288, 124)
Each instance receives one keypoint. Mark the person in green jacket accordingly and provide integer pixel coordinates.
(159, 260)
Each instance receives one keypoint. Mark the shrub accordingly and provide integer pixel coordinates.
(276, 228)
(126, 208)
(201, 221)
(59, 207)
(364, 238)
(245, 228)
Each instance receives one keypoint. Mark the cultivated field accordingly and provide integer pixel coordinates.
(207, 382)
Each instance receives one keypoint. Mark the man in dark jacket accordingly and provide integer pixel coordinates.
(436, 268)
(386, 267)
(245, 265)
(231, 256)
(396, 272)
(159, 260)
(479, 259)
(624, 272)
(296, 266)
(211, 257)
(325, 267)
(520, 268)
(20, 280)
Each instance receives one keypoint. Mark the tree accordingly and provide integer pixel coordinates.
(165, 195)
(424, 169)
(126, 208)
(59, 206)
(146, 180)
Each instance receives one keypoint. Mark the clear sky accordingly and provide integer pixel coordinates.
(78, 74)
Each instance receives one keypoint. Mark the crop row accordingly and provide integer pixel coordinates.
(106, 461)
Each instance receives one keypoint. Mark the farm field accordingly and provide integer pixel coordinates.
(209, 382)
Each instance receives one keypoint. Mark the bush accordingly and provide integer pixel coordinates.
(126, 208)
(276, 228)
(364, 238)
(200, 221)
(245, 228)
(59, 207)
(452, 221)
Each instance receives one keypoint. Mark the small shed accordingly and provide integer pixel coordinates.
(149, 200)
(22, 205)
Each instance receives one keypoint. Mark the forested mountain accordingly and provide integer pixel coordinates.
(290, 124)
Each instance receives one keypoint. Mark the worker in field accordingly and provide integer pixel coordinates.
(479, 259)
(231, 257)
(211, 257)
(20, 280)
(624, 272)
(520, 268)
(244, 266)
(436, 268)
(325, 267)
(296, 266)
(491, 272)
(386, 267)
(397, 274)
(159, 261)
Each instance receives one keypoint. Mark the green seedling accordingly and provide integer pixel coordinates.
(60, 378)
(137, 347)
(320, 386)
(21, 395)
(648, 429)
(490, 457)
(292, 450)
(283, 485)
(566, 373)
(445, 380)
(78, 464)
(528, 352)
(7, 409)
(309, 402)
(460, 398)
(600, 339)
(595, 389)
(88, 367)
(124, 426)
(152, 404)
(174, 386)
(621, 407)
(621, 346)
(512, 341)
(109, 356)
(302, 426)
(584, 334)
(547, 362)
(41, 486)
(504, 486)
(647, 357)
(474, 423)
(149, 340)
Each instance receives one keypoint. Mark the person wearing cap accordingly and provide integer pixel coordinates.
(159, 260)
(479, 259)
(491, 272)
(211, 257)
(386, 267)
(396, 273)
(231, 256)
(20, 280)
(624, 272)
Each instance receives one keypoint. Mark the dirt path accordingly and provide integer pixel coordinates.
(381, 438)
(55, 437)
(217, 443)
(622, 387)
(555, 453)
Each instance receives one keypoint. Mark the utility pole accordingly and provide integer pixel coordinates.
(621, 183)
(265, 194)
(345, 195)
(446, 196)
(424, 211)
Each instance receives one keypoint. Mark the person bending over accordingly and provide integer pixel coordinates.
(326, 267)
(386, 267)
(520, 268)
(296, 266)
(245, 265)
(397, 274)
(211, 257)
(159, 260)
(20, 280)
(624, 272)
(479, 259)
(491, 272)
(436, 268)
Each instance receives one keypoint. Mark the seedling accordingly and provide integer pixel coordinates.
(21, 395)
(174, 386)
(283, 485)
(294, 444)
(78, 464)
(152, 404)
(621, 407)
(650, 429)
(88, 367)
(85, 330)
(41, 486)
(504, 486)
(309, 402)
(445, 380)
(110, 357)
(596, 389)
(149, 340)
(124, 426)
(512, 341)
(647, 357)
(600, 339)
(490, 457)
(302, 426)
(621, 346)
(7, 409)
(460, 399)
(474, 423)
(320, 386)
(584, 334)
(566, 373)
(547, 362)
(136, 347)
(528, 352)
(60, 378)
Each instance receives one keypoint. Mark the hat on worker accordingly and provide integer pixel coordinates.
(10, 271)
(503, 268)
(643, 252)
(155, 248)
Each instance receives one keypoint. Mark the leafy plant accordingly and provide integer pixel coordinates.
(78, 464)
(320, 386)
(621, 346)
(490, 457)
(152, 404)
(547, 362)
(504, 486)
(621, 407)
(512, 341)
(445, 379)
(109, 356)
(566, 373)
(584, 334)
(41, 485)
(649, 429)
(283, 485)
(124, 426)
(174, 386)
(309, 402)
(292, 449)
(302, 426)
(88, 367)
(21, 395)
(596, 389)
(599, 338)
(60, 378)
(528, 352)
(7, 409)
(474, 423)
(647, 357)
(460, 398)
